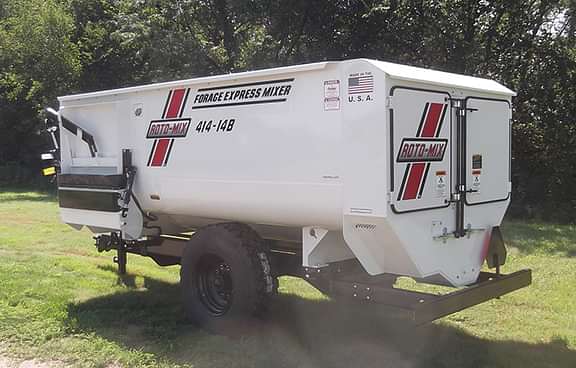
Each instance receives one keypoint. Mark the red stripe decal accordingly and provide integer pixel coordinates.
(160, 153)
(432, 120)
(413, 183)
(172, 109)
(175, 103)
(417, 169)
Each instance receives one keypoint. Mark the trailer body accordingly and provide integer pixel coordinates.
(406, 170)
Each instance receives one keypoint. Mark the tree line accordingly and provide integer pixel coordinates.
(55, 47)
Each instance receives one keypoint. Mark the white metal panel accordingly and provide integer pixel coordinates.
(102, 122)
(108, 221)
(439, 78)
(397, 71)
(487, 150)
(421, 151)
(364, 143)
(280, 164)
(204, 81)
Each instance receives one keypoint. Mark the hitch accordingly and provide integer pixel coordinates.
(105, 243)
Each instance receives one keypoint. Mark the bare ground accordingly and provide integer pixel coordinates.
(6, 362)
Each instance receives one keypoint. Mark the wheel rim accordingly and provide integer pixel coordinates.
(215, 284)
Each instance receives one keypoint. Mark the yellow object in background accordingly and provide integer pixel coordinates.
(49, 171)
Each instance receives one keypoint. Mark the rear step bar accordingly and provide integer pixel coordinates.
(489, 286)
(348, 280)
(420, 308)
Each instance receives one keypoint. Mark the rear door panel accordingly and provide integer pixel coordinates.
(487, 150)
(421, 146)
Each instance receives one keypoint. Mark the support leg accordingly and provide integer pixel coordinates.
(121, 257)
(121, 260)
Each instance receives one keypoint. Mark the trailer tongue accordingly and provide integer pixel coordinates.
(348, 174)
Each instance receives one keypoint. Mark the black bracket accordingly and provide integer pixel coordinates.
(105, 242)
(129, 172)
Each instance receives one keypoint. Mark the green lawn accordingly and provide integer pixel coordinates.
(61, 300)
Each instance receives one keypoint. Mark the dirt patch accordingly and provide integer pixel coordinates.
(33, 363)
(6, 362)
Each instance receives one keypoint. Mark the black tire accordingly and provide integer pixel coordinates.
(226, 277)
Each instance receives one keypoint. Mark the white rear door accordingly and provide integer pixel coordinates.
(487, 150)
(420, 126)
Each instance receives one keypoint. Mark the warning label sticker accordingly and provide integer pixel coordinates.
(331, 95)
(476, 181)
(441, 183)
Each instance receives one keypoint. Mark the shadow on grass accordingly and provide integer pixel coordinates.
(530, 238)
(128, 280)
(298, 333)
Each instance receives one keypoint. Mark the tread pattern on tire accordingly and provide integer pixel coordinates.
(256, 251)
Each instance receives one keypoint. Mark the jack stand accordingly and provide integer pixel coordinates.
(497, 263)
(121, 258)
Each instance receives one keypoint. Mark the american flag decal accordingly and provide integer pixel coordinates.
(173, 109)
(361, 84)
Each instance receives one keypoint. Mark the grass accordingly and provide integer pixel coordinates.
(61, 300)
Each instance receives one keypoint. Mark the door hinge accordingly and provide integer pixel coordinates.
(389, 101)
(456, 103)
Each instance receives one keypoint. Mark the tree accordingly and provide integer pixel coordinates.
(38, 61)
(57, 47)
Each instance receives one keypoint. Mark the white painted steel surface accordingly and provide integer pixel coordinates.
(318, 151)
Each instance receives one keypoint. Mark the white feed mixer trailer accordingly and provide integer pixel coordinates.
(348, 174)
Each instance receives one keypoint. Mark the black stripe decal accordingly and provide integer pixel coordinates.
(240, 103)
(423, 183)
(88, 200)
(422, 119)
(152, 152)
(184, 102)
(404, 181)
(247, 84)
(438, 129)
(86, 137)
(168, 153)
(419, 131)
(167, 103)
(69, 126)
